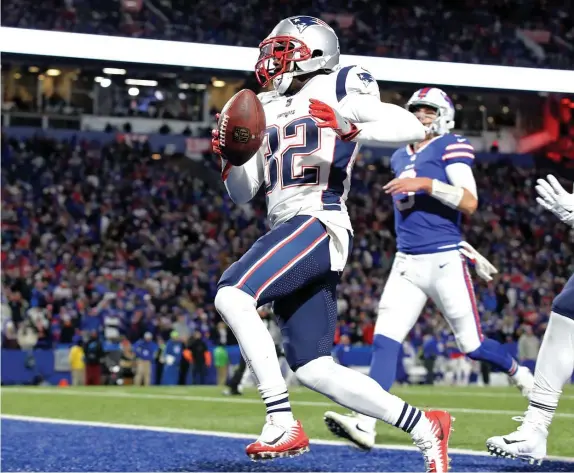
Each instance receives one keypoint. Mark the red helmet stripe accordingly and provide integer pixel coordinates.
(424, 92)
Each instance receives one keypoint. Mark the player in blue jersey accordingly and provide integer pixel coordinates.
(555, 362)
(433, 187)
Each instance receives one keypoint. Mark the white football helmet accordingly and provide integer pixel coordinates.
(297, 45)
(437, 99)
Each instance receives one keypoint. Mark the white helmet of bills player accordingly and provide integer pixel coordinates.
(438, 100)
(297, 45)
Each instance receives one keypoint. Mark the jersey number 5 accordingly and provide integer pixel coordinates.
(406, 202)
(280, 167)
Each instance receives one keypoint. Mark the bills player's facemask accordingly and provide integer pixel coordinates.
(278, 56)
(429, 116)
(424, 113)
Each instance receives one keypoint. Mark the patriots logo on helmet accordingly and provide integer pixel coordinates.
(303, 22)
(366, 78)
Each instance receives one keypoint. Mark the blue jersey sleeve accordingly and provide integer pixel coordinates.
(457, 149)
(395, 157)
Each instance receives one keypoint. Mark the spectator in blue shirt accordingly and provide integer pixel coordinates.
(145, 350)
(430, 354)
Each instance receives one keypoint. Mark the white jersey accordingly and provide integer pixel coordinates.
(306, 170)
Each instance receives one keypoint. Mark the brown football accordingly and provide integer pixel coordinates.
(241, 126)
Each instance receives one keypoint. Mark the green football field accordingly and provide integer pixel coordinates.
(480, 412)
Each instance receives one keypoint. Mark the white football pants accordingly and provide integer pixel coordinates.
(442, 277)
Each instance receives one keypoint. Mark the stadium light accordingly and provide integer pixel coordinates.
(141, 82)
(133, 91)
(113, 70)
(208, 56)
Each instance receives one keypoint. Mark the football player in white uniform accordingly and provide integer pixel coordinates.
(555, 363)
(317, 116)
(433, 187)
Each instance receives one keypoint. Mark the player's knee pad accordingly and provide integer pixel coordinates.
(230, 302)
(313, 373)
(391, 328)
(468, 339)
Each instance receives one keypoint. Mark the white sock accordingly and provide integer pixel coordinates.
(554, 366)
(238, 310)
(358, 392)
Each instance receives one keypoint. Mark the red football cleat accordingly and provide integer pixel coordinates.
(277, 441)
(433, 441)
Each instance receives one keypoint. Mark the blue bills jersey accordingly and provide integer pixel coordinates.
(422, 223)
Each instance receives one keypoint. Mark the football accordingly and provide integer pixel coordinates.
(241, 126)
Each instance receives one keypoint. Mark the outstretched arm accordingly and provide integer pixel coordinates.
(381, 122)
(360, 116)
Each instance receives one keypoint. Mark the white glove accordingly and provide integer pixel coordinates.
(482, 266)
(554, 197)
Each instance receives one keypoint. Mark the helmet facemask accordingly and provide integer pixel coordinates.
(297, 45)
(278, 57)
(439, 125)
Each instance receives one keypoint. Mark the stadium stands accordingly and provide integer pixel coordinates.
(108, 238)
(509, 32)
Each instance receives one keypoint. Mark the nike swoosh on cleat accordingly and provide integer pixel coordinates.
(273, 442)
(359, 428)
(510, 442)
(441, 434)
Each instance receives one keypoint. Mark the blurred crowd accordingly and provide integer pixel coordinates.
(105, 240)
(537, 33)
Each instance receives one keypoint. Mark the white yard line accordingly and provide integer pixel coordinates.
(459, 392)
(455, 391)
(236, 400)
(49, 420)
(399, 390)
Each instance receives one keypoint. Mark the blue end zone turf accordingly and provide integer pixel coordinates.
(41, 446)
